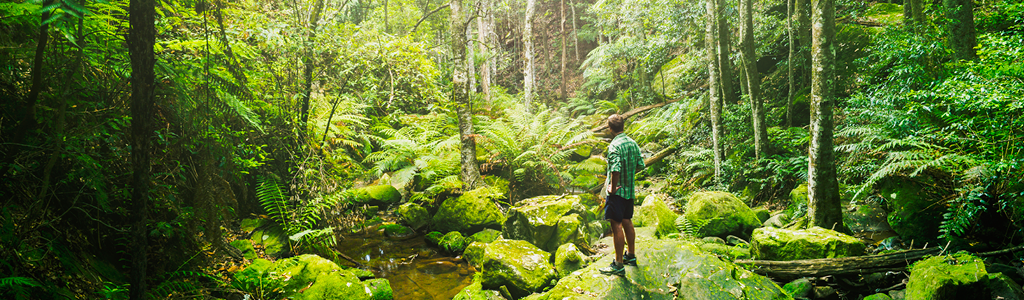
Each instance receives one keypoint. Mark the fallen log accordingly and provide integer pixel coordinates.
(897, 261)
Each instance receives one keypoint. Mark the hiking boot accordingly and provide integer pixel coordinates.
(629, 260)
(614, 269)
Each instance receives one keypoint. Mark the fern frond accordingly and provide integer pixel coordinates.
(273, 199)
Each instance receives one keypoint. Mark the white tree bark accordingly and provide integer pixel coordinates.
(528, 76)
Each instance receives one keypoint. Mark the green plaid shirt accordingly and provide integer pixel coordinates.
(624, 157)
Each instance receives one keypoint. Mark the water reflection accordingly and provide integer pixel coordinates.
(415, 270)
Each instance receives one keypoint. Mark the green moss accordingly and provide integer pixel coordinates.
(246, 247)
(433, 238)
(476, 291)
(536, 220)
(414, 215)
(485, 236)
(380, 289)
(313, 277)
(474, 253)
(248, 225)
(568, 259)
(732, 252)
(519, 266)
(273, 240)
(800, 288)
(379, 195)
(472, 211)
(878, 296)
(453, 242)
(885, 13)
(654, 212)
(395, 230)
(721, 213)
(770, 243)
(956, 276)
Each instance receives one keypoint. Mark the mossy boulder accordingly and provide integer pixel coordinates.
(866, 217)
(376, 195)
(721, 214)
(878, 296)
(485, 236)
(433, 238)
(245, 246)
(414, 215)
(1003, 287)
(248, 225)
(476, 291)
(732, 252)
(568, 259)
(537, 220)
(471, 212)
(397, 231)
(271, 238)
(913, 214)
(770, 243)
(762, 214)
(947, 277)
(453, 242)
(654, 212)
(664, 265)
(778, 220)
(313, 277)
(518, 265)
(797, 201)
(800, 288)
(474, 253)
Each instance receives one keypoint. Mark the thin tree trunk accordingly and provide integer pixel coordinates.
(803, 36)
(470, 59)
(823, 208)
(469, 173)
(27, 122)
(561, 11)
(912, 12)
(962, 39)
(483, 35)
(714, 89)
(753, 79)
(307, 61)
(528, 75)
(789, 63)
(142, 37)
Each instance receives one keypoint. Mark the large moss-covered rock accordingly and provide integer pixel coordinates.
(654, 212)
(453, 242)
(866, 217)
(947, 277)
(663, 266)
(476, 291)
(433, 238)
(537, 220)
(800, 288)
(770, 243)
(519, 266)
(721, 213)
(485, 236)
(376, 195)
(568, 259)
(474, 253)
(271, 238)
(246, 247)
(313, 277)
(471, 212)
(414, 215)
(913, 214)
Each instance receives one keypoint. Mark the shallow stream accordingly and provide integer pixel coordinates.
(415, 270)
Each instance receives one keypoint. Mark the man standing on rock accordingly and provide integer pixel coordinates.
(624, 161)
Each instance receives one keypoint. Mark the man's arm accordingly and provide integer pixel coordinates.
(614, 183)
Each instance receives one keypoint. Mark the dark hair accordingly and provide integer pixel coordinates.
(616, 122)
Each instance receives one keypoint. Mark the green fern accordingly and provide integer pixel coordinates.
(273, 199)
(688, 229)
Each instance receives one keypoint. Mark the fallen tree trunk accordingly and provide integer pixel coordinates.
(897, 261)
(632, 112)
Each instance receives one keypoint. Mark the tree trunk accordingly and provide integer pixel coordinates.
(913, 12)
(141, 38)
(307, 61)
(469, 173)
(483, 35)
(561, 12)
(960, 15)
(789, 63)
(714, 89)
(803, 36)
(823, 208)
(528, 75)
(470, 59)
(753, 79)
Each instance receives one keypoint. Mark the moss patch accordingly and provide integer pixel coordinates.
(956, 276)
(721, 214)
(770, 243)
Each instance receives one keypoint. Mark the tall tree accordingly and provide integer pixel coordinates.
(309, 64)
(913, 12)
(823, 208)
(753, 78)
(528, 75)
(962, 39)
(714, 90)
(789, 63)
(484, 27)
(469, 173)
(470, 61)
(803, 39)
(562, 33)
(141, 38)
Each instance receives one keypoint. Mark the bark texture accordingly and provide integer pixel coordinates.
(469, 173)
(789, 64)
(307, 73)
(753, 78)
(823, 208)
(484, 26)
(792, 269)
(528, 75)
(962, 36)
(714, 86)
(141, 38)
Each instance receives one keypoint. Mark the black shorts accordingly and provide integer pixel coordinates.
(617, 208)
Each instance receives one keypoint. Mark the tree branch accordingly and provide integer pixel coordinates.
(425, 17)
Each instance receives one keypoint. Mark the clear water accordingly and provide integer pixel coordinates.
(415, 270)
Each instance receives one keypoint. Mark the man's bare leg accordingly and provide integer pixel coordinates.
(618, 239)
(627, 228)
